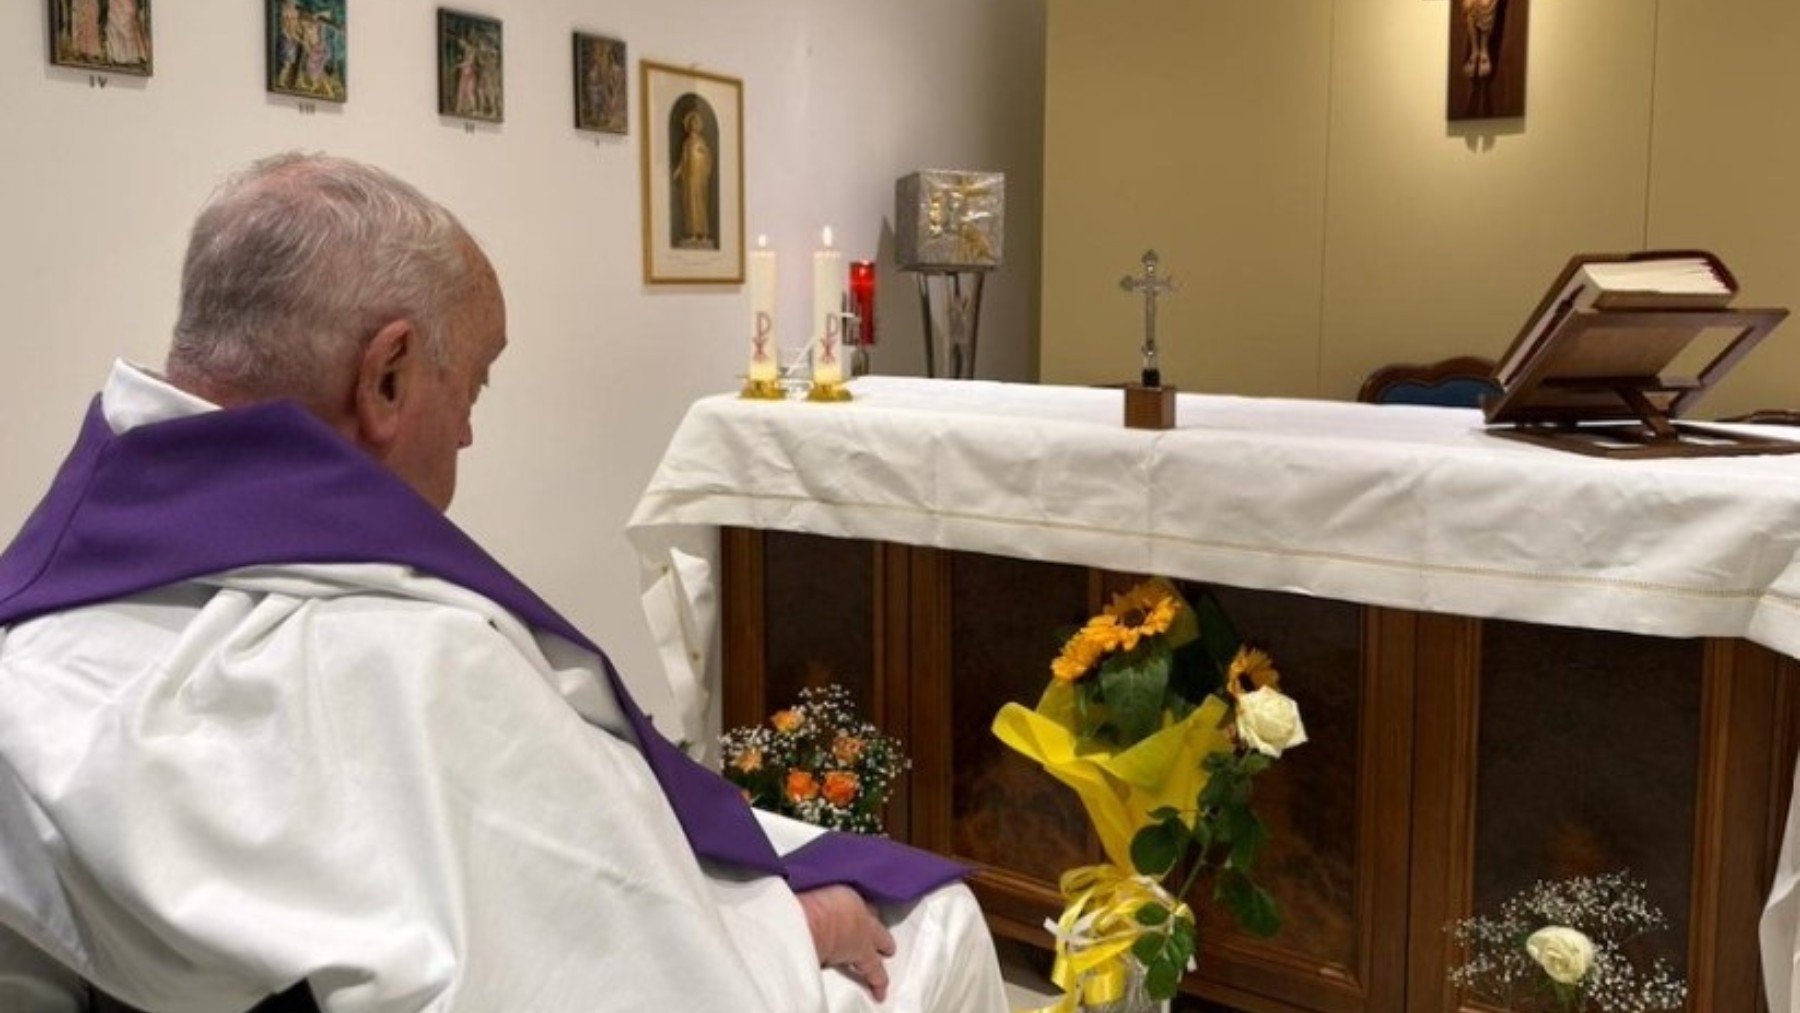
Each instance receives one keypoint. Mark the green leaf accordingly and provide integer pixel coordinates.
(1216, 633)
(1148, 947)
(1134, 684)
(1201, 836)
(1152, 914)
(1182, 939)
(1154, 850)
(1163, 814)
(1253, 907)
(1247, 838)
(1160, 980)
(1234, 892)
(1217, 791)
(1255, 763)
(1264, 914)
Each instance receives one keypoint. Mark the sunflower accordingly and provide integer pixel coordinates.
(1250, 670)
(1144, 611)
(1080, 654)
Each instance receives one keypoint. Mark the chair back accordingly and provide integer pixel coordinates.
(1452, 383)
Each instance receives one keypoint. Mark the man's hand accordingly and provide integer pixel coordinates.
(847, 934)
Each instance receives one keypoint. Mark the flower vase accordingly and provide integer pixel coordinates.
(1135, 999)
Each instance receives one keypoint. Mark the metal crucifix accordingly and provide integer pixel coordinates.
(1151, 285)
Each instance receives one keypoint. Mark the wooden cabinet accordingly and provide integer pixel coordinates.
(1452, 761)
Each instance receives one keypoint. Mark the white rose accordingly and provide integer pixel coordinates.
(1268, 721)
(1563, 953)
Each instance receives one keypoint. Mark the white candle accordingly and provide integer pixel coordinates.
(828, 303)
(764, 349)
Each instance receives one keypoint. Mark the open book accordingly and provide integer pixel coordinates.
(1629, 281)
(1591, 370)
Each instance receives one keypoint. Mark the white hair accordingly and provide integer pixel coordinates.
(296, 262)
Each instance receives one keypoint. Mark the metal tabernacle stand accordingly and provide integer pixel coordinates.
(948, 228)
(952, 320)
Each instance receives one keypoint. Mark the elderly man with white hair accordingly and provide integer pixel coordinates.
(272, 726)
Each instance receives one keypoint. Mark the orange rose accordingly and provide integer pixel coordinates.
(749, 761)
(840, 787)
(801, 786)
(847, 749)
(786, 721)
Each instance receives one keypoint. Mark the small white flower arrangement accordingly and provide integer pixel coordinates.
(1562, 946)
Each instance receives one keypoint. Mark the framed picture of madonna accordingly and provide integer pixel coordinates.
(692, 125)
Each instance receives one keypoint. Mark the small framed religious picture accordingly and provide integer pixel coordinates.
(111, 36)
(308, 48)
(692, 125)
(471, 83)
(600, 84)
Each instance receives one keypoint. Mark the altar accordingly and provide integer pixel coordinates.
(1515, 663)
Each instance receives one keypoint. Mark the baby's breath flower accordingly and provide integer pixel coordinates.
(816, 761)
(1609, 910)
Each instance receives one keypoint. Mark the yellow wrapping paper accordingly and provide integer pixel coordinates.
(1097, 930)
(1120, 788)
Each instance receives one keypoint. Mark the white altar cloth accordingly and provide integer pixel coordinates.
(1408, 507)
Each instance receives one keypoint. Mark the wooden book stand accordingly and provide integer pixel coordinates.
(1593, 381)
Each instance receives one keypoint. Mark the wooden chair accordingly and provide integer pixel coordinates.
(1452, 383)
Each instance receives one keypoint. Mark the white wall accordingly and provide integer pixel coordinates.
(98, 186)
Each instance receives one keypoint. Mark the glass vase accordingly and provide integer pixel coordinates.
(1135, 999)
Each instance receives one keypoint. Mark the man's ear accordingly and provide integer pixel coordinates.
(383, 379)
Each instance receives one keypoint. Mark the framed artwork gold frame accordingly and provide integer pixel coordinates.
(692, 125)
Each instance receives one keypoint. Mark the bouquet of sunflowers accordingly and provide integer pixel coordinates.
(1160, 719)
(817, 762)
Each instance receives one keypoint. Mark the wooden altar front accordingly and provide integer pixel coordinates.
(1452, 762)
(1514, 663)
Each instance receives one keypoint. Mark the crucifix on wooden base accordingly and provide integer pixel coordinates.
(1149, 405)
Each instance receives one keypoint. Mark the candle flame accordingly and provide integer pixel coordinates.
(762, 241)
(825, 237)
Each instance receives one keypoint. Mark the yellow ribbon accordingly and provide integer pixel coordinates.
(1097, 929)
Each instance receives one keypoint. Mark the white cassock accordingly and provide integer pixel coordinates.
(388, 786)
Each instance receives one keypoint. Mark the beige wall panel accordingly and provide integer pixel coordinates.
(1726, 156)
(1440, 237)
(1197, 129)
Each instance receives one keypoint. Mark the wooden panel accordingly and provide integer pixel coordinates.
(1446, 695)
(819, 598)
(1337, 808)
(1452, 762)
(1005, 810)
(743, 690)
(1746, 761)
(1588, 757)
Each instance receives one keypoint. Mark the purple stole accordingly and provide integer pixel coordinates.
(269, 485)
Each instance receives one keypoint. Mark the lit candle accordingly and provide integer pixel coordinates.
(862, 296)
(764, 350)
(828, 303)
